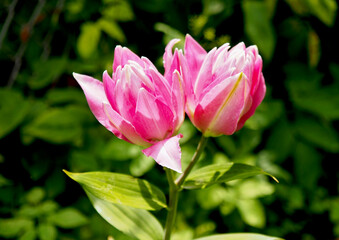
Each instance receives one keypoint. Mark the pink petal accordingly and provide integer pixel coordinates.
(205, 76)
(167, 153)
(153, 119)
(219, 111)
(95, 95)
(122, 55)
(178, 100)
(109, 86)
(161, 86)
(194, 54)
(168, 56)
(127, 130)
(257, 99)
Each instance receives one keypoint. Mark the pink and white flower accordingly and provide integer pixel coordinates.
(223, 87)
(139, 105)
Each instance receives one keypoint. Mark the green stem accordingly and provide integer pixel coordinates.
(175, 187)
(195, 158)
(173, 204)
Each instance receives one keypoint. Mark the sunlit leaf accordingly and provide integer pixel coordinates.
(13, 109)
(212, 197)
(35, 195)
(219, 173)
(138, 223)
(258, 27)
(121, 189)
(140, 165)
(313, 48)
(252, 212)
(47, 231)
(112, 29)
(13, 227)
(170, 33)
(118, 10)
(29, 234)
(88, 40)
(254, 188)
(68, 218)
(117, 150)
(325, 10)
(239, 236)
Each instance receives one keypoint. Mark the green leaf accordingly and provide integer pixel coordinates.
(117, 150)
(14, 107)
(219, 173)
(121, 189)
(320, 135)
(258, 26)
(30, 234)
(46, 72)
(305, 155)
(140, 165)
(239, 236)
(13, 227)
(323, 101)
(325, 10)
(47, 231)
(112, 29)
(68, 218)
(118, 10)
(170, 33)
(252, 212)
(265, 115)
(134, 222)
(58, 96)
(254, 188)
(88, 40)
(35, 195)
(59, 125)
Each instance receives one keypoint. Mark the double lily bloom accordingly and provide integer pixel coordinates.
(219, 90)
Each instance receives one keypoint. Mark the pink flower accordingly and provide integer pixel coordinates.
(223, 87)
(139, 105)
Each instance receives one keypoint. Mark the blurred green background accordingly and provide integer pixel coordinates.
(46, 125)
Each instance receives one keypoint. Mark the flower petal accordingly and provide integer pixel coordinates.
(122, 55)
(205, 76)
(256, 100)
(178, 100)
(127, 130)
(168, 56)
(153, 119)
(166, 153)
(219, 111)
(95, 95)
(194, 54)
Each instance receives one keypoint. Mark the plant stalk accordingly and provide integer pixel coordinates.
(175, 188)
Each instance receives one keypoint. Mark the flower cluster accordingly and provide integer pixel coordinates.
(218, 90)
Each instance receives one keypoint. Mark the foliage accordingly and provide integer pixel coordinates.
(46, 126)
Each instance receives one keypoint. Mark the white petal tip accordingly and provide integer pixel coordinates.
(166, 153)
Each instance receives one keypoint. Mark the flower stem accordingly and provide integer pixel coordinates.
(173, 204)
(195, 158)
(175, 187)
